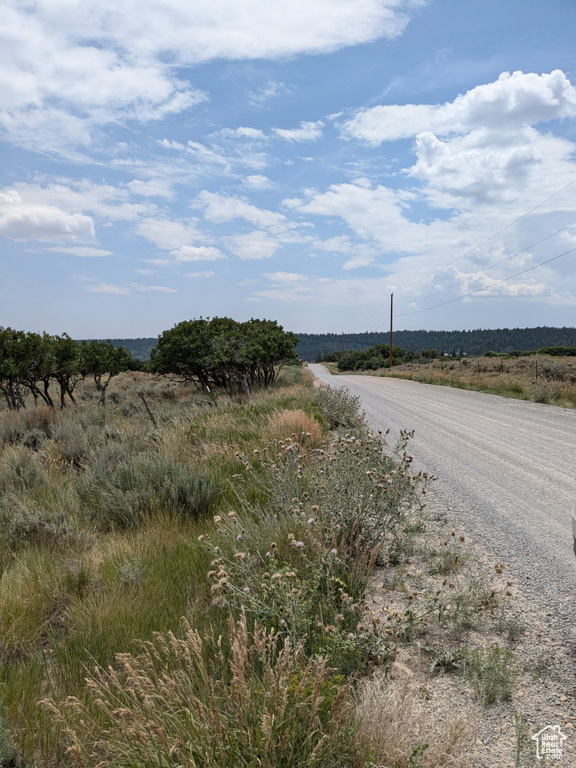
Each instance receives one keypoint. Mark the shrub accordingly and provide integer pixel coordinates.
(134, 489)
(340, 407)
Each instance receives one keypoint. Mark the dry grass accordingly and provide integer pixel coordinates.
(540, 378)
(397, 724)
(298, 425)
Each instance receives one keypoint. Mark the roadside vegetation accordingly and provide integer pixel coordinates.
(187, 579)
(546, 376)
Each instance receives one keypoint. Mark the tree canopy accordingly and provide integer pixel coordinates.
(31, 362)
(223, 353)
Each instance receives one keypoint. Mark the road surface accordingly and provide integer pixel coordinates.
(507, 467)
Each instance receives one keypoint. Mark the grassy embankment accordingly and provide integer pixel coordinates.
(245, 535)
(540, 378)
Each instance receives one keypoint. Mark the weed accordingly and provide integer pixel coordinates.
(491, 672)
(340, 407)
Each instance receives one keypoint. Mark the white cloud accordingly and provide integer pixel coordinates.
(201, 275)
(107, 288)
(308, 131)
(158, 288)
(83, 251)
(262, 95)
(222, 208)
(75, 66)
(253, 134)
(23, 220)
(508, 104)
(197, 253)
(254, 245)
(169, 235)
(257, 182)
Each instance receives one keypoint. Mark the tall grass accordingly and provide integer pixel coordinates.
(118, 529)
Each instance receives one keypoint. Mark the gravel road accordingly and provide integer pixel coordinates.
(507, 468)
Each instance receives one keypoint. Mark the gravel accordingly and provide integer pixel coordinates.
(506, 476)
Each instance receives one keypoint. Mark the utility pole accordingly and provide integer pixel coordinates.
(391, 305)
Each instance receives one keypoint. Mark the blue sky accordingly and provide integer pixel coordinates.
(300, 160)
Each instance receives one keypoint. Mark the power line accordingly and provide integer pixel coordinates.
(524, 215)
(486, 287)
(497, 263)
(487, 240)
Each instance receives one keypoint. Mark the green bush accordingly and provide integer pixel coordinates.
(134, 489)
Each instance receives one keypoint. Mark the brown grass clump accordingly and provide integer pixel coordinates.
(401, 732)
(295, 424)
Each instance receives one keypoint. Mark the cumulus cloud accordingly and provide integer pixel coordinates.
(308, 131)
(509, 103)
(22, 220)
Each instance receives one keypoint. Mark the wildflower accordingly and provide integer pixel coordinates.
(276, 576)
(211, 573)
(267, 554)
(246, 589)
(295, 500)
(219, 601)
(282, 621)
(290, 575)
(231, 513)
(240, 555)
(201, 538)
(291, 536)
(451, 585)
(330, 629)
(310, 520)
(238, 537)
(298, 543)
(217, 519)
(315, 507)
(295, 591)
(355, 607)
(339, 617)
(333, 551)
(274, 545)
(265, 575)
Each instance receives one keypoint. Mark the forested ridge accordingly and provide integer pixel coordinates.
(475, 342)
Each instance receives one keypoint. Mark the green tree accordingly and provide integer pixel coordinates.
(222, 353)
(102, 360)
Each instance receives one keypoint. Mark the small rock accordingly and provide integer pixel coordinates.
(399, 670)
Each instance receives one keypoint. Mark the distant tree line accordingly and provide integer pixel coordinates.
(39, 363)
(475, 342)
